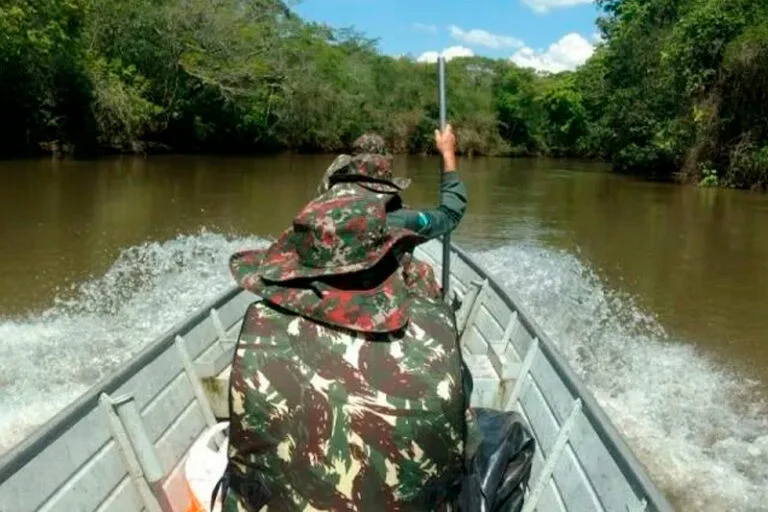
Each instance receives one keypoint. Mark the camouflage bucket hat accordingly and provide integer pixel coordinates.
(370, 143)
(335, 234)
(370, 171)
(378, 308)
(369, 166)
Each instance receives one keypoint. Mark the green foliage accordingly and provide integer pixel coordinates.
(566, 117)
(676, 84)
(709, 177)
(251, 76)
(748, 166)
(686, 81)
(39, 54)
(120, 108)
(518, 110)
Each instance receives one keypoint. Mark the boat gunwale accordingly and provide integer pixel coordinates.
(25, 451)
(634, 472)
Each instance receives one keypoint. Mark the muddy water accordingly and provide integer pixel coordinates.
(657, 293)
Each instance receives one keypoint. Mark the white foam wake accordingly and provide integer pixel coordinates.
(701, 431)
(49, 359)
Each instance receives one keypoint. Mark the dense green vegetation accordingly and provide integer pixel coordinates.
(684, 86)
(677, 85)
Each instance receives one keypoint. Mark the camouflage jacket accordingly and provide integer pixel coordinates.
(327, 419)
(430, 223)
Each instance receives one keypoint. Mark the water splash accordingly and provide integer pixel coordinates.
(701, 431)
(697, 428)
(48, 360)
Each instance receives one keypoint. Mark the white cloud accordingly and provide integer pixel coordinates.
(421, 27)
(479, 37)
(542, 6)
(448, 53)
(570, 52)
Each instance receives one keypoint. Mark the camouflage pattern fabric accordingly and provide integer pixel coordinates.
(335, 234)
(344, 189)
(371, 143)
(326, 419)
(376, 167)
(375, 300)
(372, 301)
(370, 159)
(339, 163)
(339, 264)
(420, 278)
(370, 171)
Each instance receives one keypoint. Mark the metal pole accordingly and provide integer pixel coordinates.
(447, 236)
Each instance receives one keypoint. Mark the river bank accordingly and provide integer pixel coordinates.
(220, 78)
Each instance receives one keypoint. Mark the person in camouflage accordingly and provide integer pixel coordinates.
(370, 166)
(339, 263)
(371, 159)
(346, 385)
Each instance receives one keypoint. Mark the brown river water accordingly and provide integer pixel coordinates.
(657, 293)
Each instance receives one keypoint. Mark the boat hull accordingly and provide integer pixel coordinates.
(123, 444)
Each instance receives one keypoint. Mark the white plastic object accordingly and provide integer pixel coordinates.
(205, 465)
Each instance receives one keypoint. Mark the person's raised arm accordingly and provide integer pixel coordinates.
(433, 223)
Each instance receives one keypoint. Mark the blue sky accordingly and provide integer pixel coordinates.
(550, 35)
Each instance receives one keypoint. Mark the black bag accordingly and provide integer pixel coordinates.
(498, 462)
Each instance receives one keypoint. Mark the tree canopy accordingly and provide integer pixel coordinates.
(677, 87)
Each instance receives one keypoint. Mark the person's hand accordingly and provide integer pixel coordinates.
(445, 141)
